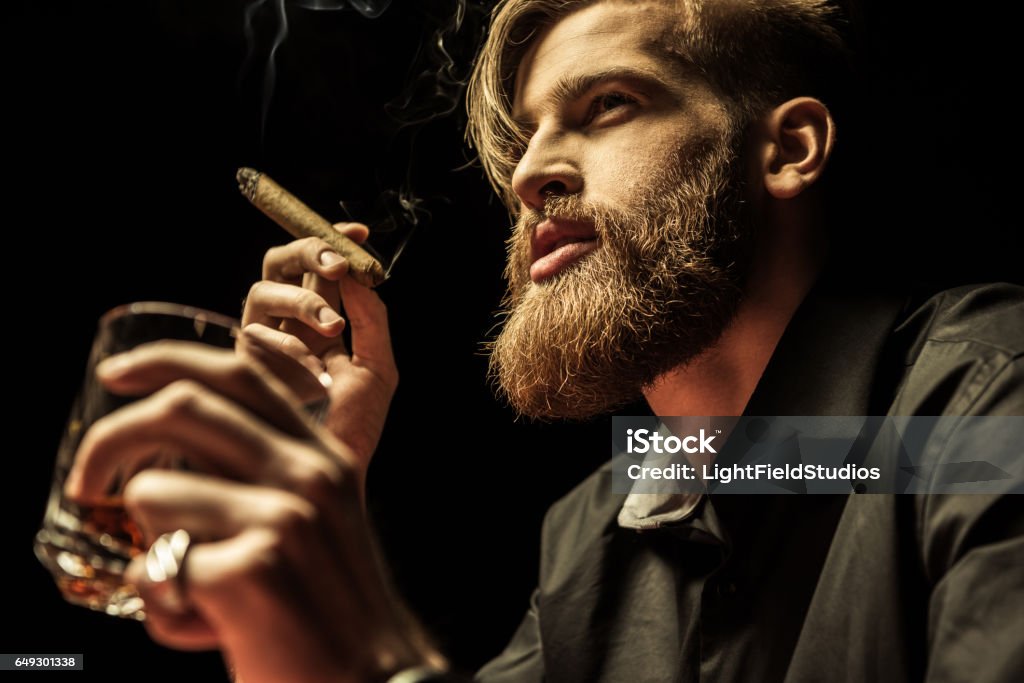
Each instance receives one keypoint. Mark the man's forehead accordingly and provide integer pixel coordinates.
(607, 24)
(597, 38)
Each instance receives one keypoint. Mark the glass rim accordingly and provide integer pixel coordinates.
(169, 309)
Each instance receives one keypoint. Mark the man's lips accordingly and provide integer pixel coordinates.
(556, 243)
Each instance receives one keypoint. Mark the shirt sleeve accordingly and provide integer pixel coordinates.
(522, 660)
(973, 555)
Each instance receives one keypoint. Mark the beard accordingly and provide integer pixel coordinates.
(662, 285)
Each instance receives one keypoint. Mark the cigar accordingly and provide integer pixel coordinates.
(285, 209)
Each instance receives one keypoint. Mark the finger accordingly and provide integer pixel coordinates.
(330, 290)
(153, 366)
(280, 344)
(357, 232)
(162, 501)
(188, 631)
(288, 358)
(268, 615)
(268, 302)
(210, 432)
(314, 341)
(270, 536)
(287, 263)
(327, 289)
(213, 508)
(368, 322)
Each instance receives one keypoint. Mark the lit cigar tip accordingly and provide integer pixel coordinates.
(247, 179)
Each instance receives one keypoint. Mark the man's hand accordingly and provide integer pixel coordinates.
(291, 325)
(283, 574)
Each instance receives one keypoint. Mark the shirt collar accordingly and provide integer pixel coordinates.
(825, 363)
(652, 508)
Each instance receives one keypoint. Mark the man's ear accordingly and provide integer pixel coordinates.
(795, 143)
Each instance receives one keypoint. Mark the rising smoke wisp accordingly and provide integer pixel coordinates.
(432, 90)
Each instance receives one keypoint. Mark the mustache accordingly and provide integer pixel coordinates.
(571, 207)
(518, 245)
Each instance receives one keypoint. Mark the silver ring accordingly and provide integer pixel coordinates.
(165, 562)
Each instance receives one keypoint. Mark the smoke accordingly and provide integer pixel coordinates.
(394, 217)
(371, 9)
(432, 90)
(270, 75)
(435, 91)
(368, 8)
(250, 36)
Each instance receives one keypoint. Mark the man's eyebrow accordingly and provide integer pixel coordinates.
(573, 86)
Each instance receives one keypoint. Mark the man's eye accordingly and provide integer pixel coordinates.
(608, 101)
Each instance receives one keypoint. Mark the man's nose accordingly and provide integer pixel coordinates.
(548, 167)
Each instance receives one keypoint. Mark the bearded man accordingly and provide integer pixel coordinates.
(665, 162)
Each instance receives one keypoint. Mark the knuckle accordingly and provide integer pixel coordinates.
(305, 300)
(272, 260)
(251, 332)
(247, 378)
(256, 561)
(272, 256)
(311, 248)
(98, 433)
(264, 561)
(243, 374)
(181, 397)
(291, 345)
(321, 482)
(257, 290)
(140, 491)
(248, 340)
(291, 517)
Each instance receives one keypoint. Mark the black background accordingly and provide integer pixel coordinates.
(125, 122)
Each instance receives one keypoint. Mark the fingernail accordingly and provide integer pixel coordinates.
(329, 258)
(328, 317)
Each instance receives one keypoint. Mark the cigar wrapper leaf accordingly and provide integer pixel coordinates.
(285, 209)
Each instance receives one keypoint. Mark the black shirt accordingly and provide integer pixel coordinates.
(807, 588)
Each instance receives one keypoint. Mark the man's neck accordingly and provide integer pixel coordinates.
(721, 380)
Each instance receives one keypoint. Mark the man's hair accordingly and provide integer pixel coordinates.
(755, 53)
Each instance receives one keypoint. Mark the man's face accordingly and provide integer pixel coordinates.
(627, 257)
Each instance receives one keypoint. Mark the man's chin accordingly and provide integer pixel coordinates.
(550, 407)
(559, 353)
(542, 384)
